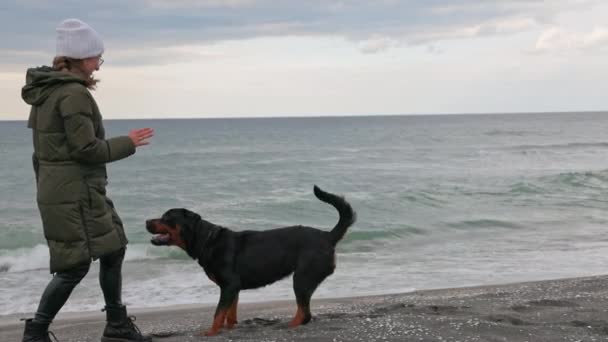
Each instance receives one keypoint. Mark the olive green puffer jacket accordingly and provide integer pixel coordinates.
(70, 153)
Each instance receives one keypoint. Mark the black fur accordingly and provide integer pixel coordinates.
(240, 260)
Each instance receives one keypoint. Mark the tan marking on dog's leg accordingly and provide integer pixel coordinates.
(218, 322)
(298, 318)
(231, 316)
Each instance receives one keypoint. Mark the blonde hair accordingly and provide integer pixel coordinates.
(62, 63)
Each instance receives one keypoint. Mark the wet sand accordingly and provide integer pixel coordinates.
(555, 310)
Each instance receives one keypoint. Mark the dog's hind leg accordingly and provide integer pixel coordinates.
(303, 293)
(231, 316)
(305, 282)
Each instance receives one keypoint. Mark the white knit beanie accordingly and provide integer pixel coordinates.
(76, 39)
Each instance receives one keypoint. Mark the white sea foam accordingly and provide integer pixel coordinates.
(24, 259)
(37, 257)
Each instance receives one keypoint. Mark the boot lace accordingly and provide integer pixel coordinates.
(130, 322)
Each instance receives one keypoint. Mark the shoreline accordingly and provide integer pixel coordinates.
(571, 309)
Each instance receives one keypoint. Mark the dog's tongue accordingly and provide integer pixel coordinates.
(160, 239)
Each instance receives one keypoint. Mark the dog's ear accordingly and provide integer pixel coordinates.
(174, 215)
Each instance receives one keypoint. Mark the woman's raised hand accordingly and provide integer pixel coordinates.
(140, 136)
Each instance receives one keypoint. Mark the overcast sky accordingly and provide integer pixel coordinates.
(235, 58)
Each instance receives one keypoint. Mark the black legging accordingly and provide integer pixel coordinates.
(60, 287)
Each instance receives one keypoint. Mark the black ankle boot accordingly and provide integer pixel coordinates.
(37, 332)
(120, 327)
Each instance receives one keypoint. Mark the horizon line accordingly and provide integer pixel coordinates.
(341, 115)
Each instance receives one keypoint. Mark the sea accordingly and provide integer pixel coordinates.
(443, 201)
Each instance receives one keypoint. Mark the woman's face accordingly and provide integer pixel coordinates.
(91, 64)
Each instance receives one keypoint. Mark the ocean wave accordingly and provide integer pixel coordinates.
(548, 185)
(505, 132)
(37, 257)
(24, 259)
(484, 223)
(371, 235)
(369, 242)
(582, 179)
(424, 198)
(565, 146)
(525, 188)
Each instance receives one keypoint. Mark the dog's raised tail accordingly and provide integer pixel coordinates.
(347, 214)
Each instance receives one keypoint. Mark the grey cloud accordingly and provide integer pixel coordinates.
(149, 24)
(559, 41)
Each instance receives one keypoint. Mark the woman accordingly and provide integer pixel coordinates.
(70, 155)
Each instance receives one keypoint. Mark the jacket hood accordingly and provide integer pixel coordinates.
(42, 81)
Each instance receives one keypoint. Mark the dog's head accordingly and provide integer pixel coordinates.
(185, 229)
(173, 228)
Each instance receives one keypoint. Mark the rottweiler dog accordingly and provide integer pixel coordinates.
(240, 260)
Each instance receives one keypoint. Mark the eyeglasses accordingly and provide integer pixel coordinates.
(100, 61)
